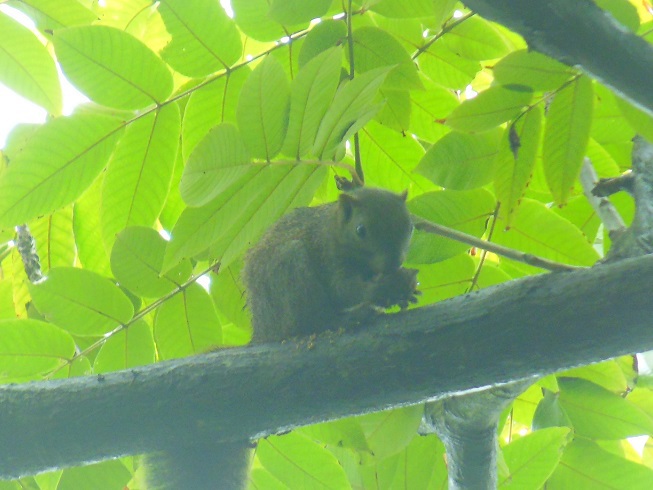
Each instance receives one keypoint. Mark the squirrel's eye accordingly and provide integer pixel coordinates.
(361, 231)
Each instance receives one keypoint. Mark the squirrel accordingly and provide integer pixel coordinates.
(330, 266)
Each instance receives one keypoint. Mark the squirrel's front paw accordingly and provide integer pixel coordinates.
(397, 288)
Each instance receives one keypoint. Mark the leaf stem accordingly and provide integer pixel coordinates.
(148, 309)
(350, 44)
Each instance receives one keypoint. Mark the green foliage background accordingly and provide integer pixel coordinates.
(206, 128)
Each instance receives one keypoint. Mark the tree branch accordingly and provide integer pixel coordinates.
(526, 258)
(468, 427)
(610, 217)
(580, 34)
(519, 330)
(638, 239)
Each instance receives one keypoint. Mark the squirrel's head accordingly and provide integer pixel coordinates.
(375, 228)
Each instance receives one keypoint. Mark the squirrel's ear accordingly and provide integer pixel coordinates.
(346, 203)
(344, 184)
(404, 195)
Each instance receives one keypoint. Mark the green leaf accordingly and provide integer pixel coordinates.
(393, 156)
(227, 293)
(351, 109)
(465, 211)
(312, 91)
(395, 113)
(30, 348)
(390, 431)
(138, 177)
(196, 228)
(524, 406)
(539, 231)
(107, 475)
(461, 161)
(566, 135)
(293, 12)
(532, 69)
(639, 120)
(581, 214)
(345, 433)
(53, 235)
(174, 205)
(623, 12)
(300, 463)
(642, 395)
(376, 48)
(235, 219)
(187, 324)
(600, 414)
(550, 413)
(476, 39)
(534, 457)
(585, 466)
(259, 477)
(88, 232)
(449, 277)
(417, 464)
(325, 35)
(221, 95)
(111, 67)
(491, 274)
(446, 68)
(81, 301)
(26, 66)
(377, 473)
(55, 14)
(6, 299)
(409, 32)
(429, 109)
(262, 111)
(17, 140)
(609, 124)
(137, 259)
(61, 160)
(252, 18)
(490, 108)
(204, 38)
(516, 160)
(48, 480)
(607, 374)
(400, 9)
(130, 347)
(218, 161)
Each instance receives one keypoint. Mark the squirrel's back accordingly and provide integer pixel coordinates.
(316, 265)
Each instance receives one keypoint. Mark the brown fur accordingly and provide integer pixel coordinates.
(330, 266)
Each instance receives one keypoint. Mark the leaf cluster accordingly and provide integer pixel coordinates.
(203, 126)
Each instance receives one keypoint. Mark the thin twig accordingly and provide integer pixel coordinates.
(445, 29)
(610, 217)
(612, 185)
(533, 260)
(148, 309)
(350, 42)
(479, 268)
